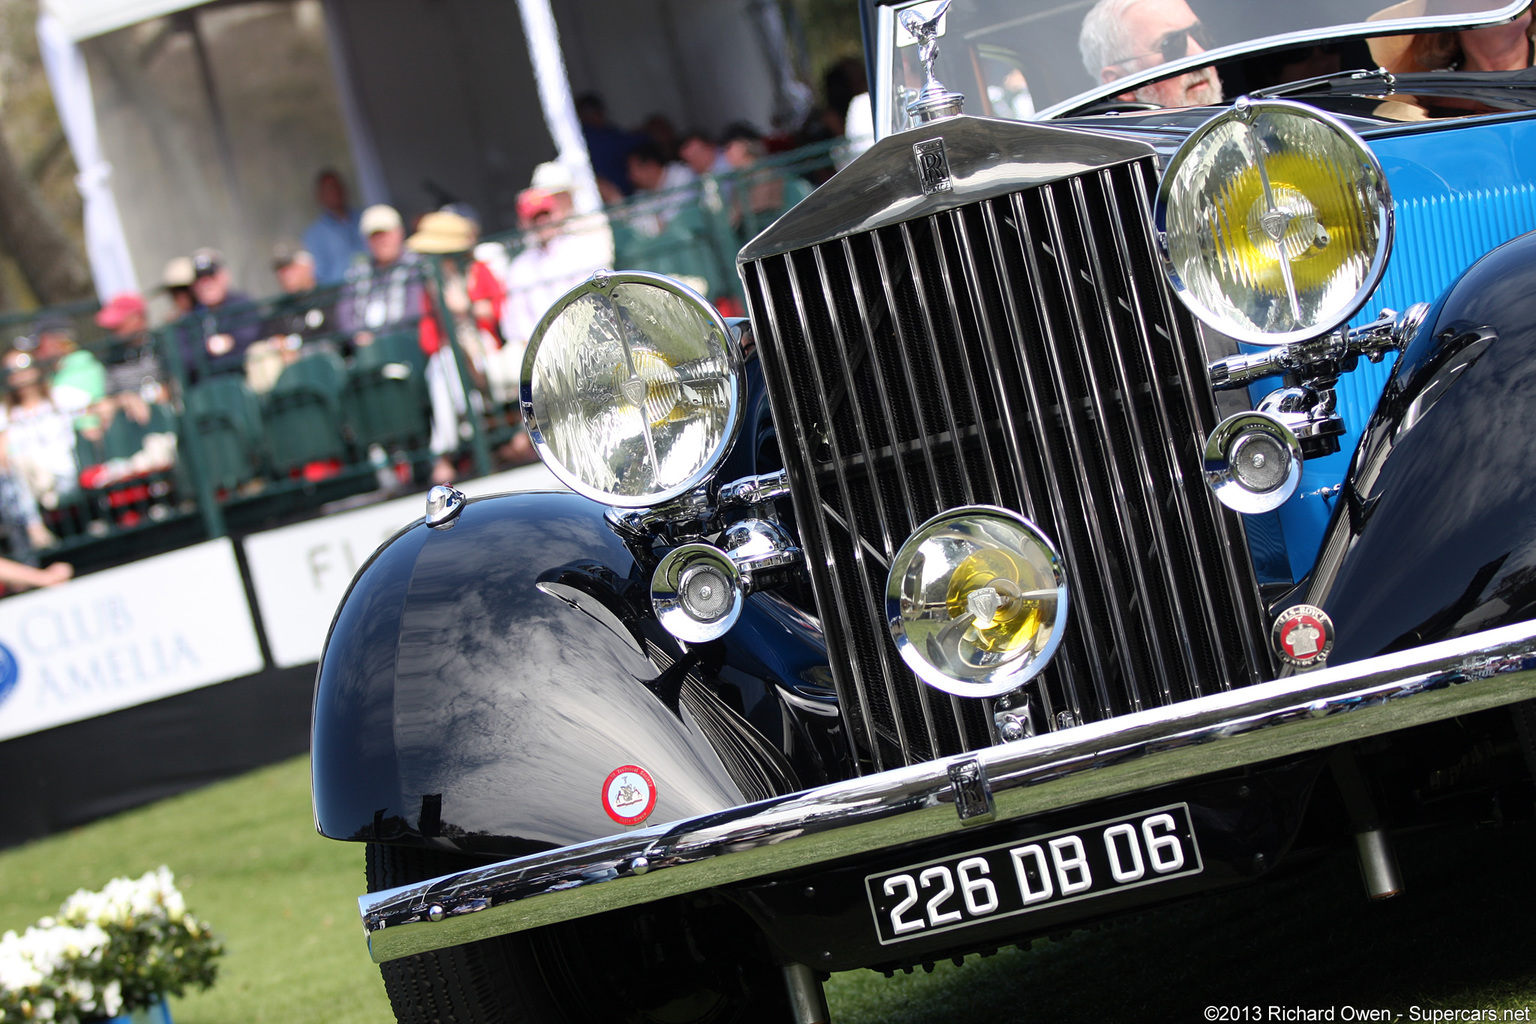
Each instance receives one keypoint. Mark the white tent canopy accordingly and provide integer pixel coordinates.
(82, 19)
(214, 118)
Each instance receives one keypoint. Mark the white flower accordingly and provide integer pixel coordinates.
(18, 968)
(112, 998)
(152, 895)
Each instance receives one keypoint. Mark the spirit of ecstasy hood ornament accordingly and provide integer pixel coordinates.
(934, 101)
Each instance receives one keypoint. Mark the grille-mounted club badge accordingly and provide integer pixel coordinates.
(629, 794)
(1303, 636)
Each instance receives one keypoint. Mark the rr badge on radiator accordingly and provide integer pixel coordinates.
(933, 167)
(973, 796)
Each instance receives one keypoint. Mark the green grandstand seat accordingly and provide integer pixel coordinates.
(303, 413)
(124, 437)
(386, 395)
(223, 419)
(688, 247)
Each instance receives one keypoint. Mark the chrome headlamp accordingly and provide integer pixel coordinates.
(976, 601)
(1275, 222)
(631, 389)
(697, 593)
(1252, 462)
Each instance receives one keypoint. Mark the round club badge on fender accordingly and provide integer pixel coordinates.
(629, 794)
(1303, 636)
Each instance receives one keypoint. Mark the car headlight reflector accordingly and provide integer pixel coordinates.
(1275, 221)
(976, 601)
(697, 592)
(631, 389)
(1252, 462)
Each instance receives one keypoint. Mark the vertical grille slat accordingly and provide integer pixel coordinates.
(940, 383)
(1230, 559)
(1033, 413)
(963, 298)
(815, 529)
(872, 613)
(1135, 343)
(1020, 351)
(1054, 281)
(1121, 469)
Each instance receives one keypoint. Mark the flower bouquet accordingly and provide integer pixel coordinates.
(107, 953)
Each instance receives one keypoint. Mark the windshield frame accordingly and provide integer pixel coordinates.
(883, 14)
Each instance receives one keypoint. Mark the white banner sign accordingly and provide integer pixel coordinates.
(124, 636)
(301, 572)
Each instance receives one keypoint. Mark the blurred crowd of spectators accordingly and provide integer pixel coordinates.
(91, 434)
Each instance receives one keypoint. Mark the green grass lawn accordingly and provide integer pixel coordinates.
(247, 858)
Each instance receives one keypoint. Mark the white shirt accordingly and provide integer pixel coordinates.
(539, 275)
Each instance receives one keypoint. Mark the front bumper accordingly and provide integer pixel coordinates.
(1229, 730)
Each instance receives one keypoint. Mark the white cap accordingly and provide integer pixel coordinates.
(379, 218)
(553, 176)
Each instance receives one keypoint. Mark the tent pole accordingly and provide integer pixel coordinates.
(193, 25)
(556, 99)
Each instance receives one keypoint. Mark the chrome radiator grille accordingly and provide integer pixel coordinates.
(1020, 351)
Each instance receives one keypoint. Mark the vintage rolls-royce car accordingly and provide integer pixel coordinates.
(1108, 500)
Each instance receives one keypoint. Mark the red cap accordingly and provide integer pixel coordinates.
(114, 313)
(533, 201)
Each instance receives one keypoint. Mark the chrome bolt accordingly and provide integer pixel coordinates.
(435, 912)
(640, 865)
(1013, 728)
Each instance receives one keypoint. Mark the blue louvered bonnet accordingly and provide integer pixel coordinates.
(1458, 190)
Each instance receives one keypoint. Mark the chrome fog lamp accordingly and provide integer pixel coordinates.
(976, 601)
(631, 389)
(697, 592)
(1252, 462)
(1275, 221)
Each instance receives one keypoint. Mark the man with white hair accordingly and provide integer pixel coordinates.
(1124, 37)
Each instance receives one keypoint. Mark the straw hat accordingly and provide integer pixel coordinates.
(442, 232)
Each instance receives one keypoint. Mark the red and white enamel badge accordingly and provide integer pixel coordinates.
(1303, 636)
(629, 794)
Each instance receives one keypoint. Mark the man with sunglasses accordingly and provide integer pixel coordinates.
(1124, 37)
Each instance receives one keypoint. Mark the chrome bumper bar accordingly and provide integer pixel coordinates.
(1027, 777)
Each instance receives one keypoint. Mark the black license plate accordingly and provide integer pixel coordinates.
(1046, 871)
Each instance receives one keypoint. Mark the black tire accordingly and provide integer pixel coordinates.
(641, 966)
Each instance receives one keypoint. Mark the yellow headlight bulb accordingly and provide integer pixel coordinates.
(648, 381)
(1274, 220)
(976, 601)
(1303, 218)
(996, 592)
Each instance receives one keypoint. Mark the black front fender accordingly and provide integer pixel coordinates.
(481, 681)
(1435, 534)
